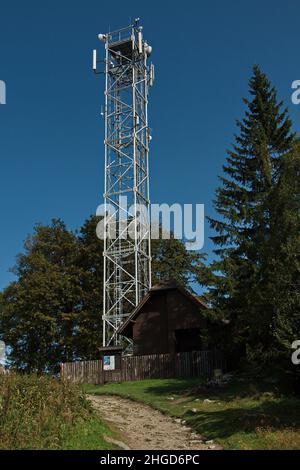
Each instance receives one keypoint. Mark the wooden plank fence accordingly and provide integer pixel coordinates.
(153, 366)
(82, 372)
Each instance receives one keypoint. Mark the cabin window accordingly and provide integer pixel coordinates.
(187, 340)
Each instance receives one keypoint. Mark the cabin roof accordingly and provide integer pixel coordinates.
(161, 286)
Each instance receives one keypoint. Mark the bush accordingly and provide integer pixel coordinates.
(39, 412)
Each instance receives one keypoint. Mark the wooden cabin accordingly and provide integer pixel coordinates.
(169, 319)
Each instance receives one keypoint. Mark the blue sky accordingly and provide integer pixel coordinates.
(51, 132)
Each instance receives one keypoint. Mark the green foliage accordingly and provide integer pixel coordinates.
(171, 260)
(52, 313)
(39, 412)
(258, 230)
(88, 334)
(39, 311)
(284, 257)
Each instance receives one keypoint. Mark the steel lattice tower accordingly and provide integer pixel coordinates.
(127, 254)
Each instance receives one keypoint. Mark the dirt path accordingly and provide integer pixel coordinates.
(142, 427)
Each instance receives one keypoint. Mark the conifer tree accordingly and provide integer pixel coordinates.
(241, 278)
(284, 259)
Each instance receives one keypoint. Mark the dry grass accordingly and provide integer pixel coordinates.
(284, 439)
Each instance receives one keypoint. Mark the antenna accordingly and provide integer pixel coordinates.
(94, 60)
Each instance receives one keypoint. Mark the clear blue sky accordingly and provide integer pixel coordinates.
(51, 133)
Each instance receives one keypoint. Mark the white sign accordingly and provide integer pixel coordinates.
(108, 362)
(2, 352)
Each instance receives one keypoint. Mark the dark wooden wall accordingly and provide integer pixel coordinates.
(165, 312)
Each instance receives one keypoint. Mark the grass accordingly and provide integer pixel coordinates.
(89, 436)
(240, 415)
(39, 412)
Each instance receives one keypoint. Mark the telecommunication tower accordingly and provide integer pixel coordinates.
(127, 250)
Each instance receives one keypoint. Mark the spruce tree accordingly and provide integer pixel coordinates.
(284, 259)
(241, 278)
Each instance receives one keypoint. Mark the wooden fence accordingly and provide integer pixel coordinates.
(153, 366)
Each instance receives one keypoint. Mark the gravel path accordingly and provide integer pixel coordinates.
(142, 427)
